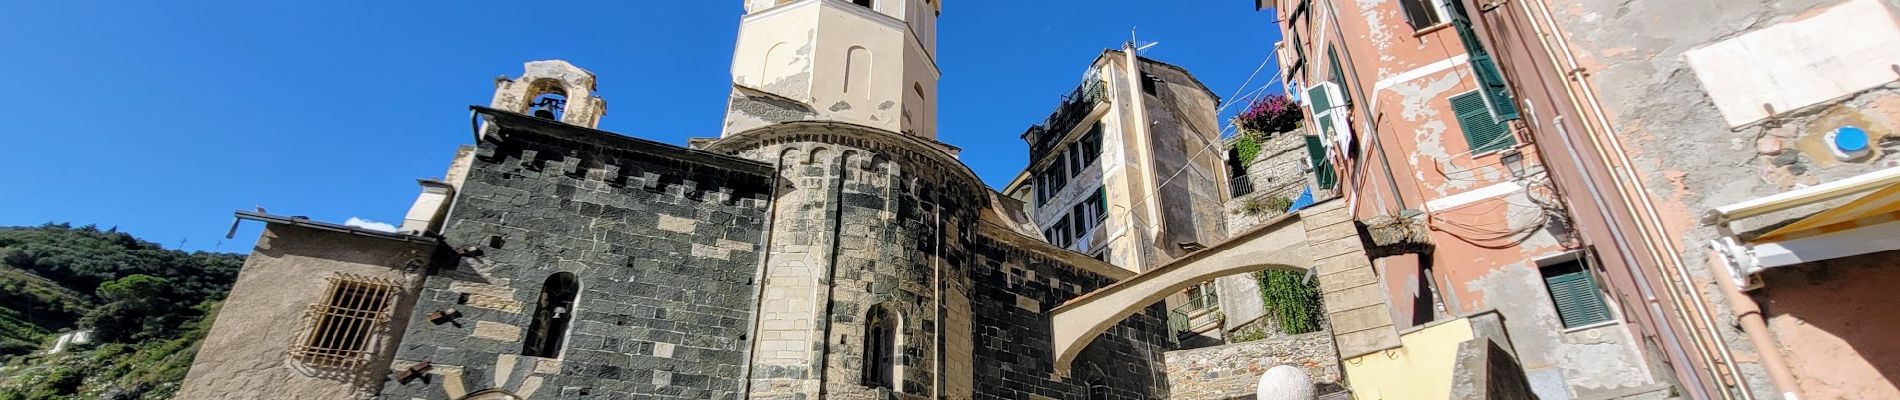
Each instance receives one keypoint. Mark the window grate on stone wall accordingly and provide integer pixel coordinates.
(354, 308)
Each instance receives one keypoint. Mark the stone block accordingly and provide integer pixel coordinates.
(497, 331)
(1351, 298)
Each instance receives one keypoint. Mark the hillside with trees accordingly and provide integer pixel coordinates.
(147, 308)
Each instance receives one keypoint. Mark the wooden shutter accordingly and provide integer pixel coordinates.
(1482, 133)
(1322, 166)
(1496, 93)
(1317, 98)
(1575, 294)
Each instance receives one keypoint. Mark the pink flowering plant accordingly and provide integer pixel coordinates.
(1271, 114)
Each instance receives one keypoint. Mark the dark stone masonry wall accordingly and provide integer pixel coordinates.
(1014, 290)
(665, 247)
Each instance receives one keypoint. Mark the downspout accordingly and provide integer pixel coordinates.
(936, 280)
(1590, 105)
(1748, 315)
(836, 213)
(1653, 305)
(758, 276)
(1372, 123)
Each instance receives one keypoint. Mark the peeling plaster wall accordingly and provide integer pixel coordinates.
(1687, 155)
(812, 52)
(243, 355)
(1491, 217)
(1594, 361)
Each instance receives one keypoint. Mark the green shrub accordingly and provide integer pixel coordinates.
(1290, 300)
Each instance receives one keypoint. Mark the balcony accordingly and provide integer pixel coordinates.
(1076, 106)
(1199, 314)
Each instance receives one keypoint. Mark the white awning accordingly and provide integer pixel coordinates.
(1866, 225)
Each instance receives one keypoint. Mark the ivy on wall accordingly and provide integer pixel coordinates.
(1290, 300)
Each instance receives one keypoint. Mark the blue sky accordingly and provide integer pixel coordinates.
(161, 118)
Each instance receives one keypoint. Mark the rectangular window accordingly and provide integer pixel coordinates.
(1339, 76)
(1574, 292)
(1058, 177)
(342, 324)
(1422, 13)
(1078, 217)
(1091, 144)
(1482, 133)
(1299, 52)
(1148, 83)
(1098, 206)
(1061, 235)
(1074, 155)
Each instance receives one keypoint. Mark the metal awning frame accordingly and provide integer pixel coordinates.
(1747, 257)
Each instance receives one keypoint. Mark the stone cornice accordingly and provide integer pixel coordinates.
(929, 156)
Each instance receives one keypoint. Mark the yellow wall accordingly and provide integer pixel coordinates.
(1420, 368)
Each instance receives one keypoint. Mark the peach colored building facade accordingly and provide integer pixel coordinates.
(1426, 137)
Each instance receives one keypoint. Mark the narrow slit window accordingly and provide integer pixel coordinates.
(552, 314)
(354, 309)
(880, 348)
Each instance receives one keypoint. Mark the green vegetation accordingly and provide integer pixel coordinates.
(1290, 301)
(1259, 205)
(147, 306)
(1246, 147)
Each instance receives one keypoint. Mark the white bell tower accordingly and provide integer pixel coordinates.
(866, 62)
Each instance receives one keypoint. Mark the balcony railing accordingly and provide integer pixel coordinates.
(1199, 314)
(1075, 106)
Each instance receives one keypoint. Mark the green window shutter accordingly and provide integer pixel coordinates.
(1575, 294)
(1482, 133)
(1316, 96)
(1497, 94)
(1322, 166)
(1339, 75)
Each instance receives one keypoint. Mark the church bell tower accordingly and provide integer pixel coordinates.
(865, 62)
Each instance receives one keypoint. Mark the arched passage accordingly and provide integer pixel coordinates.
(1278, 245)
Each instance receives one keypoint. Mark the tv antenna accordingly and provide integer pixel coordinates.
(1135, 42)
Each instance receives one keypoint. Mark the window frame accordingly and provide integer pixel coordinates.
(883, 339)
(1435, 9)
(1471, 143)
(354, 319)
(1585, 262)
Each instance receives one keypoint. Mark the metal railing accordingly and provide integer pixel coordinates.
(1199, 312)
(1075, 106)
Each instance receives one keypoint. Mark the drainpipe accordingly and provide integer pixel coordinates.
(758, 276)
(1372, 122)
(1683, 286)
(1652, 304)
(1748, 315)
(936, 306)
(836, 213)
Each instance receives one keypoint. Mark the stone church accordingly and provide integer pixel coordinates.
(826, 245)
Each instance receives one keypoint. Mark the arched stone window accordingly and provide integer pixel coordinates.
(552, 314)
(881, 341)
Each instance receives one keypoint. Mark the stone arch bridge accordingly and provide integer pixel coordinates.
(1322, 238)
